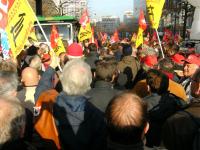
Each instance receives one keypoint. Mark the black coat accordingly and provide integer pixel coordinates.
(80, 125)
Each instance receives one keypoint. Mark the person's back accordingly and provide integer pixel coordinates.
(80, 125)
(103, 90)
(129, 66)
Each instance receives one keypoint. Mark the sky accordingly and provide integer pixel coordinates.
(98, 8)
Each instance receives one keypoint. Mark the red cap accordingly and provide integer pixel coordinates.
(46, 57)
(75, 51)
(177, 58)
(193, 59)
(150, 60)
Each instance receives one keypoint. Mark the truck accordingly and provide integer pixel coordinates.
(68, 27)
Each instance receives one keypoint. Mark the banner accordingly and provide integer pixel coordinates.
(142, 27)
(20, 21)
(85, 30)
(139, 39)
(154, 9)
(56, 42)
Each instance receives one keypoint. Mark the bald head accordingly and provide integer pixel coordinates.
(30, 76)
(127, 110)
(126, 117)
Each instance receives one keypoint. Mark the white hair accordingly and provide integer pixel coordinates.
(12, 120)
(76, 77)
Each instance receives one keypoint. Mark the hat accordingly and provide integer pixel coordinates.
(150, 60)
(193, 59)
(75, 51)
(127, 50)
(177, 58)
(46, 57)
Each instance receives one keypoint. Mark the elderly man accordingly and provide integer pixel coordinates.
(30, 79)
(179, 130)
(79, 124)
(192, 63)
(12, 125)
(126, 117)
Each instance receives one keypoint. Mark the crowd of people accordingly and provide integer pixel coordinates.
(110, 96)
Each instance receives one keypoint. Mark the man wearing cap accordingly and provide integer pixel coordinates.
(191, 64)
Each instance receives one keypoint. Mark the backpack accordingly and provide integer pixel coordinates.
(196, 141)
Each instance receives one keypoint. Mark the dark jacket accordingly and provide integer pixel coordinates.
(179, 129)
(129, 66)
(80, 125)
(45, 83)
(138, 146)
(91, 59)
(101, 94)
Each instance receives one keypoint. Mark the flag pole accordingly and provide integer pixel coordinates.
(160, 44)
(44, 35)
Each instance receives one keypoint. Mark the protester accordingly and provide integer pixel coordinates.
(192, 63)
(129, 66)
(179, 130)
(127, 122)
(12, 125)
(71, 108)
(103, 90)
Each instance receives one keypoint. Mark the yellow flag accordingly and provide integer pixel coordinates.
(139, 39)
(85, 33)
(20, 21)
(60, 47)
(154, 9)
(134, 37)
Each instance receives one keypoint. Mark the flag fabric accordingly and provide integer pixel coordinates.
(92, 40)
(167, 35)
(154, 37)
(115, 37)
(5, 44)
(154, 9)
(134, 37)
(56, 41)
(142, 27)
(85, 31)
(142, 22)
(139, 39)
(20, 21)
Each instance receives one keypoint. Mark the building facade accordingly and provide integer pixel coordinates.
(108, 24)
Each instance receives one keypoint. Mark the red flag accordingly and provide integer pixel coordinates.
(167, 35)
(142, 22)
(92, 38)
(54, 37)
(115, 37)
(84, 19)
(154, 37)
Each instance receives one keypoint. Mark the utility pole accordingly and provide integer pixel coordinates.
(38, 7)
